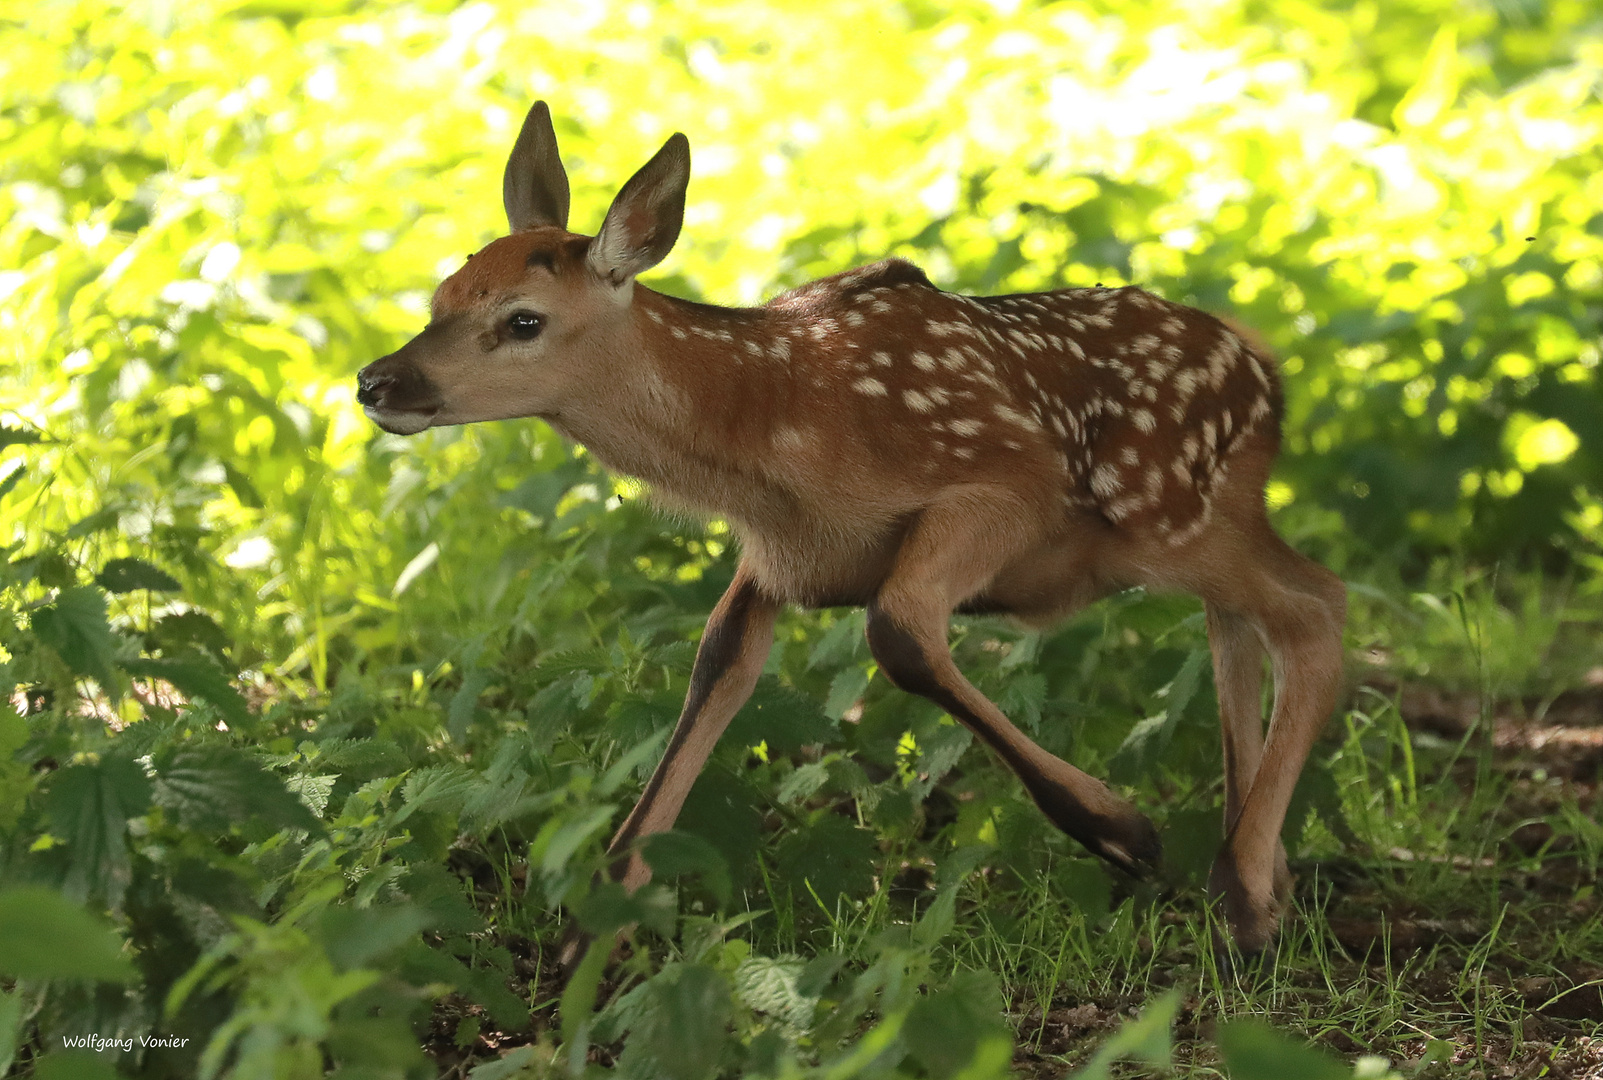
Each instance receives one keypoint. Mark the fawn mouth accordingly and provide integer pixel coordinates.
(401, 421)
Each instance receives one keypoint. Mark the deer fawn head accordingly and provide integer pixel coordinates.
(521, 328)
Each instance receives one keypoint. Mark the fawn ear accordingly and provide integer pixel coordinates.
(534, 188)
(644, 220)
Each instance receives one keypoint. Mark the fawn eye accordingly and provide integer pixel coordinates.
(524, 325)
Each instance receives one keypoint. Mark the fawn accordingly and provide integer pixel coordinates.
(875, 441)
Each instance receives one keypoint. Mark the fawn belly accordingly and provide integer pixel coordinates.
(812, 566)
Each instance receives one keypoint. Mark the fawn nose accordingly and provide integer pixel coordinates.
(370, 384)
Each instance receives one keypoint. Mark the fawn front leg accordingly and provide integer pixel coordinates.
(733, 649)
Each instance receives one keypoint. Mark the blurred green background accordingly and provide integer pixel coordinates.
(214, 214)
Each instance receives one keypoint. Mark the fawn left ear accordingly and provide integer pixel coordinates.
(534, 188)
(644, 220)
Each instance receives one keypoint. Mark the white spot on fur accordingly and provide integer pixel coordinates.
(1219, 361)
(1105, 481)
(1014, 416)
(923, 361)
(870, 387)
(1145, 421)
(969, 428)
(917, 401)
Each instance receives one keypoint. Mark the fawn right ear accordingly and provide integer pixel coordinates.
(535, 188)
(644, 220)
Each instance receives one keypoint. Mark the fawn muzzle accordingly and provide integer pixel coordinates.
(397, 396)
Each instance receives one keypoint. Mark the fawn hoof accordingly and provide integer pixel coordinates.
(1131, 843)
(1114, 830)
(1252, 914)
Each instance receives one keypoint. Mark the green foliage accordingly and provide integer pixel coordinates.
(44, 936)
(1254, 1051)
(323, 721)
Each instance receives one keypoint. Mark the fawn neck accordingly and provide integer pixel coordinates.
(691, 400)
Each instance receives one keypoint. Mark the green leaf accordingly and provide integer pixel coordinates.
(11, 480)
(12, 1010)
(74, 1065)
(126, 575)
(1437, 86)
(1316, 793)
(579, 996)
(727, 812)
(373, 1046)
(10, 436)
(688, 1028)
(833, 855)
(783, 718)
(804, 782)
(213, 788)
(465, 702)
(960, 1029)
(181, 630)
(198, 676)
(519, 1064)
(938, 753)
(842, 643)
(1255, 1051)
(443, 788)
(1023, 698)
(1085, 884)
(88, 806)
(566, 837)
(76, 627)
(674, 854)
(100, 521)
(43, 935)
(353, 937)
(609, 907)
(769, 985)
(17, 780)
(312, 791)
(845, 689)
(1137, 758)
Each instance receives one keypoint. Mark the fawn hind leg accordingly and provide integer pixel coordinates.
(949, 555)
(1238, 657)
(1297, 609)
